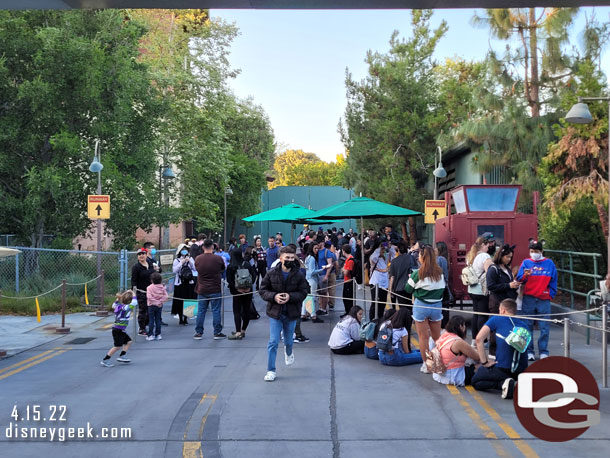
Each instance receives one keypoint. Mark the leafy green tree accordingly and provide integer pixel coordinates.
(297, 168)
(68, 78)
(392, 118)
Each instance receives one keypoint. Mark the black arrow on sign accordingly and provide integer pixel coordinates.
(99, 209)
(435, 214)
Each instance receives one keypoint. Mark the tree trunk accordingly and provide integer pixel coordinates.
(412, 229)
(403, 227)
(602, 212)
(534, 95)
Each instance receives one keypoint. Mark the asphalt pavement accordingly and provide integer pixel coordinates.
(180, 397)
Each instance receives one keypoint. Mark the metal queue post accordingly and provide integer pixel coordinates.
(605, 345)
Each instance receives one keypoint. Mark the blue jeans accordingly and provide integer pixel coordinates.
(154, 320)
(275, 327)
(535, 306)
(399, 357)
(205, 300)
(371, 353)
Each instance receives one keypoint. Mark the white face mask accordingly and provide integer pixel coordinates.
(536, 256)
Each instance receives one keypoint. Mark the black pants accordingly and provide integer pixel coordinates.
(241, 311)
(348, 295)
(491, 378)
(261, 270)
(479, 304)
(355, 347)
(142, 311)
(379, 299)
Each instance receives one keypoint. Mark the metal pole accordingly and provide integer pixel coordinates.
(224, 237)
(17, 272)
(159, 223)
(605, 346)
(2, 352)
(63, 329)
(99, 224)
(222, 303)
(566, 337)
(362, 264)
(375, 304)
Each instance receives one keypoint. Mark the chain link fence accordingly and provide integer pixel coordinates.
(37, 270)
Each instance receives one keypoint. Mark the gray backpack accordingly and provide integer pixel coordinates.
(243, 279)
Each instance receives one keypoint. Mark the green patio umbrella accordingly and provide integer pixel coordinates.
(291, 213)
(363, 207)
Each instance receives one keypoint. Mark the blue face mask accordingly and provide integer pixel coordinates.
(153, 251)
(184, 252)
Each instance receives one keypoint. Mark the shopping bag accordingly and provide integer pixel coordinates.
(310, 306)
(189, 309)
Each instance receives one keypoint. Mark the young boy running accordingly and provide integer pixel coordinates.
(122, 311)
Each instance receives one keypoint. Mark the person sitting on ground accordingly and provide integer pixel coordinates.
(454, 351)
(370, 346)
(400, 354)
(345, 338)
(500, 375)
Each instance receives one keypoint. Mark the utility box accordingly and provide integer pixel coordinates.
(473, 210)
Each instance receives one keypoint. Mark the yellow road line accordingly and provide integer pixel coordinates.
(523, 447)
(192, 450)
(25, 361)
(34, 363)
(476, 418)
(205, 417)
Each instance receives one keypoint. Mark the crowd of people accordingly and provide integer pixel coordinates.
(409, 282)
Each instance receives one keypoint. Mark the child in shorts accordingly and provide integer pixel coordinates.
(122, 311)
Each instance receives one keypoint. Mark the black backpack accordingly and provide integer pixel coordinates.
(384, 338)
(186, 274)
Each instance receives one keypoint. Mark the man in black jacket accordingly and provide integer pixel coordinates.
(284, 288)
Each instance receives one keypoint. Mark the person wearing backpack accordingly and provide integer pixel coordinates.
(184, 281)
(345, 338)
(479, 259)
(241, 276)
(369, 332)
(454, 351)
(393, 341)
(510, 362)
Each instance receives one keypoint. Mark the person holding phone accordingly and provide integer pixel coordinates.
(284, 288)
(539, 277)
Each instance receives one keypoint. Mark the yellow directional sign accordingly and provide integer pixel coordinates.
(98, 207)
(435, 209)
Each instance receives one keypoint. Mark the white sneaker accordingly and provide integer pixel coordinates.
(289, 360)
(531, 357)
(123, 359)
(106, 363)
(149, 338)
(269, 376)
(158, 337)
(544, 355)
(424, 368)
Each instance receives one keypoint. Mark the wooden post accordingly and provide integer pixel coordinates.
(63, 329)
(101, 311)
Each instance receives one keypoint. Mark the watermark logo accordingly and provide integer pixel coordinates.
(557, 399)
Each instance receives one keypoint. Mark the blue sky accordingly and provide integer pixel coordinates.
(293, 62)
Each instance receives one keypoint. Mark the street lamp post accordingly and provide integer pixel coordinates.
(96, 167)
(165, 173)
(439, 171)
(228, 192)
(580, 114)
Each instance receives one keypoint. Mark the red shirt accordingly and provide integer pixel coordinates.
(348, 267)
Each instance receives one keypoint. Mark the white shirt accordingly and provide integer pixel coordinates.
(379, 262)
(478, 266)
(397, 335)
(345, 331)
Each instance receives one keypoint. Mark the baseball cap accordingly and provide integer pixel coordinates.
(487, 236)
(142, 250)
